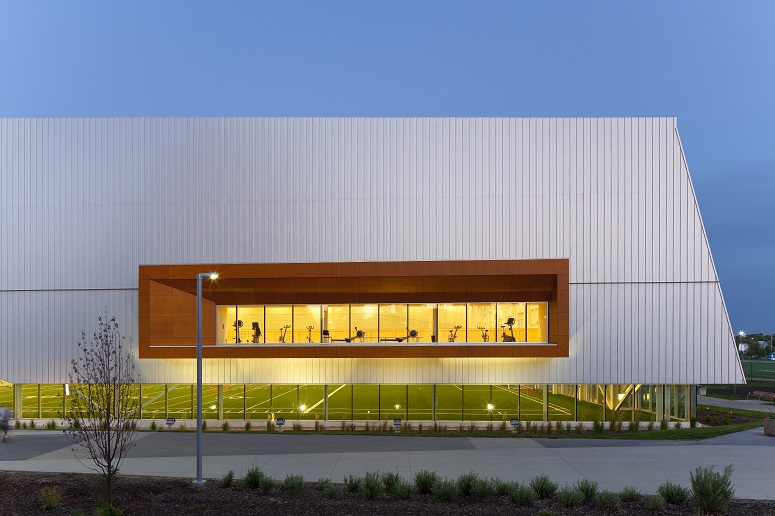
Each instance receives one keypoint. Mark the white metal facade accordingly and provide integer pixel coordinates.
(83, 202)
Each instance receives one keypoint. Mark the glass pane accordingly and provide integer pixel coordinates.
(449, 402)
(75, 393)
(340, 402)
(227, 317)
(6, 396)
(366, 402)
(591, 407)
(364, 319)
(278, 324)
(153, 401)
(420, 327)
(481, 322)
(29, 401)
(311, 404)
(511, 320)
(531, 402)
(562, 402)
(420, 403)
(233, 401)
(285, 401)
(306, 323)
(180, 401)
(338, 322)
(51, 401)
(505, 401)
(209, 402)
(257, 402)
(252, 317)
(536, 322)
(392, 323)
(452, 322)
(476, 403)
(392, 402)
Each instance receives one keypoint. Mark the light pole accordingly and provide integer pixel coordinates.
(199, 482)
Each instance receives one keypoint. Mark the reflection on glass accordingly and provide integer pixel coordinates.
(306, 323)
(364, 319)
(562, 402)
(153, 401)
(366, 402)
(532, 403)
(180, 401)
(511, 320)
(340, 398)
(449, 402)
(420, 406)
(392, 323)
(278, 324)
(477, 404)
(481, 322)
(392, 402)
(226, 315)
(452, 322)
(51, 400)
(505, 401)
(285, 401)
(209, 402)
(421, 323)
(338, 323)
(536, 322)
(258, 401)
(311, 404)
(252, 317)
(233, 401)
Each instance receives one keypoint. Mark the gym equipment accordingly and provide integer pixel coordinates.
(453, 336)
(410, 334)
(510, 324)
(237, 325)
(309, 333)
(359, 334)
(256, 333)
(485, 334)
(283, 332)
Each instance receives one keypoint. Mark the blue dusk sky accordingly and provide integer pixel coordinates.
(711, 64)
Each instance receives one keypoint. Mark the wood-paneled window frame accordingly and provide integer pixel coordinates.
(167, 303)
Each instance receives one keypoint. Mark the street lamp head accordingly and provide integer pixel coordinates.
(741, 333)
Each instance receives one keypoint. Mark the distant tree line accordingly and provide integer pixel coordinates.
(754, 348)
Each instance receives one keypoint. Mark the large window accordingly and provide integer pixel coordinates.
(371, 323)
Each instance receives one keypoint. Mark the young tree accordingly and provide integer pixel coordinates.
(103, 403)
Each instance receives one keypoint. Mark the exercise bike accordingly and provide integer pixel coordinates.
(453, 336)
(485, 333)
(510, 324)
(283, 332)
(256, 333)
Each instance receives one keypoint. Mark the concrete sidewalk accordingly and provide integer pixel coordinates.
(613, 464)
(757, 405)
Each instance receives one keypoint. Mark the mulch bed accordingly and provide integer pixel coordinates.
(20, 494)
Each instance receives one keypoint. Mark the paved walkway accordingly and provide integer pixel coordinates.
(613, 464)
(752, 404)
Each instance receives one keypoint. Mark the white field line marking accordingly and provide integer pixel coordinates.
(321, 401)
(536, 400)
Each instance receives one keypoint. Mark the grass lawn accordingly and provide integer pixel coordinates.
(759, 369)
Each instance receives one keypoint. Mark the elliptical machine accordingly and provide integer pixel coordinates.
(283, 332)
(453, 335)
(485, 333)
(510, 324)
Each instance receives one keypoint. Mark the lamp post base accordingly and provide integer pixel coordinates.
(199, 483)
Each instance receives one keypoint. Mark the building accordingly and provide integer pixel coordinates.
(370, 268)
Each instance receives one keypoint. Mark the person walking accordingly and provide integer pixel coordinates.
(5, 415)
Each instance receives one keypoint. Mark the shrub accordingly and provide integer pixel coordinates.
(472, 428)
(588, 488)
(558, 427)
(322, 483)
(153, 426)
(294, 484)
(711, 491)
(352, 483)
(367, 428)
(608, 501)
(390, 479)
(693, 422)
(385, 428)
(568, 428)
(489, 428)
(247, 426)
(225, 426)
(570, 496)
(204, 425)
(252, 479)
(612, 426)
(528, 427)
(465, 482)
(297, 427)
(370, 486)
(109, 510)
(265, 485)
(424, 481)
(227, 479)
(17, 425)
(344, 425)
(633, 426)
(406, 427)
(443, 490)
(503, 428)
(317, 425)
(32, 424)
(650, 426)
(419, 428)
(401, 490)
(543, 486)
(598, 427)
(329, 490)
(579, 428)
(629, 494)
(726, 420)
(673, 493)
(677, 425)
(501, 487)
(481, 488)
(51, 425)
(522, 494)
(50, 497)
(270, 426)
(663, 424)
(654, 502)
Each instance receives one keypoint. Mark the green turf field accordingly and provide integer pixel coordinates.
(759, 369)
